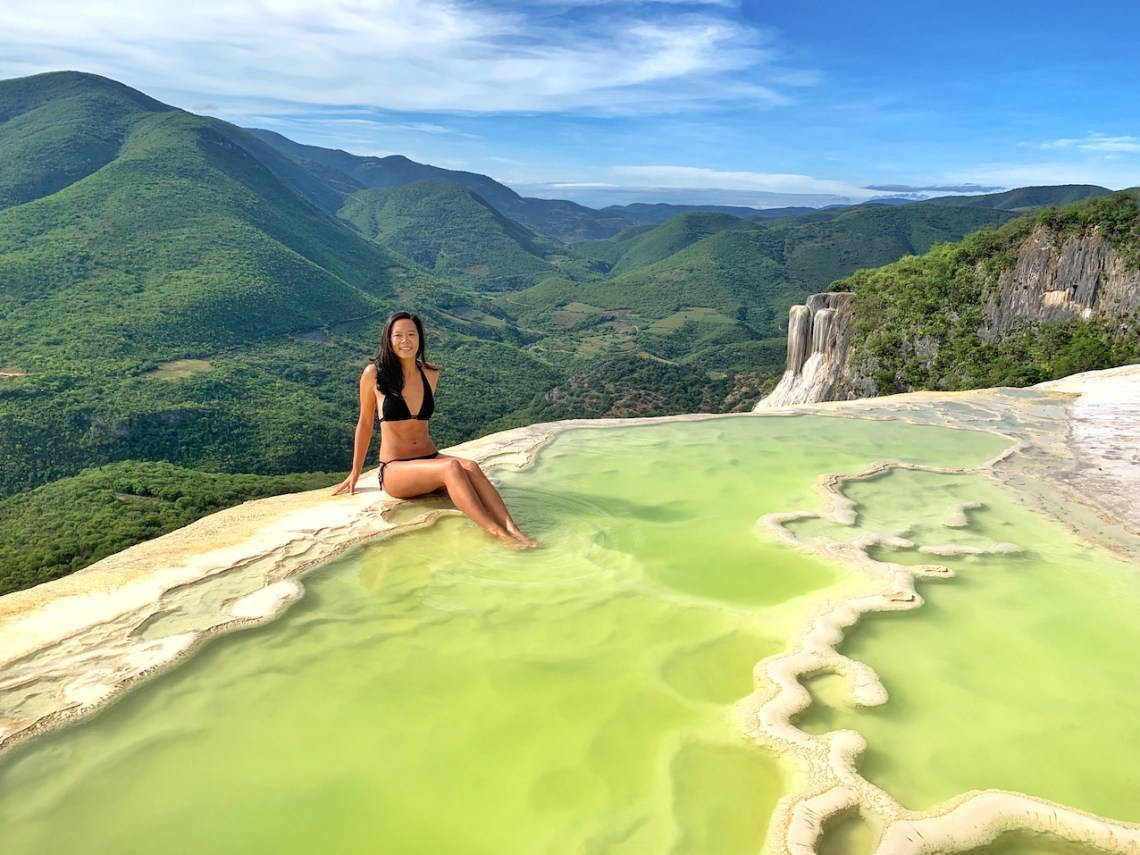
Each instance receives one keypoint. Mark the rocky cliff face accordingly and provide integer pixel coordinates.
(818, 353)
(1081, 276)
(1054, 277)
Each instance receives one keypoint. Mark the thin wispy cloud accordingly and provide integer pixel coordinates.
(412, 55)
(1096, 142)
(599, 195)
(376, 125)
(934, 188)
(690, 177)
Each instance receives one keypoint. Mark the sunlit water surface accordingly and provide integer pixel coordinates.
(434, 693)
(1018, 674)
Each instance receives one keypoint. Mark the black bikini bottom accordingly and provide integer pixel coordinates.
(384, 463)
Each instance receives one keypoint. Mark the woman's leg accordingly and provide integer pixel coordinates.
(404, 479)
(490, 498)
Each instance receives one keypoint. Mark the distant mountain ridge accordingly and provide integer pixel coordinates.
(553, 217)
(557, 218)
(1022, 199)
(570, 222)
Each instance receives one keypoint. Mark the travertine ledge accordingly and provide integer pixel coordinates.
(69, 646)
(1065, 434)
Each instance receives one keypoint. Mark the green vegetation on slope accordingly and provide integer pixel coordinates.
(917, 321)
(184, 242)
(451, 232)
(721, 280)
(1026, 198)
(671, 237)
(555, 218)
(57, 128)
(73, 522)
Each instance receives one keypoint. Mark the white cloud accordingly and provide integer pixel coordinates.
(577, 4)
(598, 195)
(408, 55)
(354, 127)
(694, 186)
(694, 178)
(1096, 142)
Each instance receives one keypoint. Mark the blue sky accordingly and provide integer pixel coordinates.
(765, 103)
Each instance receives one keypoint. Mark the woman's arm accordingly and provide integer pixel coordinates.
(363, 435)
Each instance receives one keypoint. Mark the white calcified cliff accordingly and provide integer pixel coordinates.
(817, 351)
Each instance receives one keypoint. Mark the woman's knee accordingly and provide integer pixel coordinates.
(454, 469)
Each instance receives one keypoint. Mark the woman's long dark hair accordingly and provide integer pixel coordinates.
(389, 374)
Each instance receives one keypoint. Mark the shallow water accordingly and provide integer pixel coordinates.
(434, 693)
(847, 834)
(1018, 674)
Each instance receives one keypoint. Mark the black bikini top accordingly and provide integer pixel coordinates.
(395, 409)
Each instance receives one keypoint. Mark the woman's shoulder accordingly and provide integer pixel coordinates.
(369, 374)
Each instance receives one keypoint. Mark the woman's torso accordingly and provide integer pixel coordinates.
(401, 436)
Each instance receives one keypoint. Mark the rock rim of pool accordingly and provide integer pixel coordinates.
(70, 646)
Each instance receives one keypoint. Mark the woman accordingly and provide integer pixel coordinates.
(397, 383)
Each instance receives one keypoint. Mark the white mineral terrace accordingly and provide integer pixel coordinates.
(68, 646)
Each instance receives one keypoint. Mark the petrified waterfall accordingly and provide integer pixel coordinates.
(817, 351)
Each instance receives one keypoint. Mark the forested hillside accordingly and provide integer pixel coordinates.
(452, 232)
(1048, 295)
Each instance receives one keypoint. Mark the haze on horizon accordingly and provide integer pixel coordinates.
(705, 102)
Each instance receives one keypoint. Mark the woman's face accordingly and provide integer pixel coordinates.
(405, 338)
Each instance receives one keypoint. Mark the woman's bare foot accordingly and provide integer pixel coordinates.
(528, 542)
(507, 540)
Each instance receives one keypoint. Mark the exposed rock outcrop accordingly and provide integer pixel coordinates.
(1054, 277)
(818, 352)
(1081, 276)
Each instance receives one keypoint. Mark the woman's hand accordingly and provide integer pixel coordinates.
(348, 483)
(363, 433)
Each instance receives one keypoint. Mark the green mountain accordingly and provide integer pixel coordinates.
(820, 247)
(1026, 198)
(56, 129)
(450, 231)
(555, 218)
(670, 237)
(703, 281)
(183, 242)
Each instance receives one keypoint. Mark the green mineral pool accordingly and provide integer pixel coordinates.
(1017, 674)
(434, 693)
